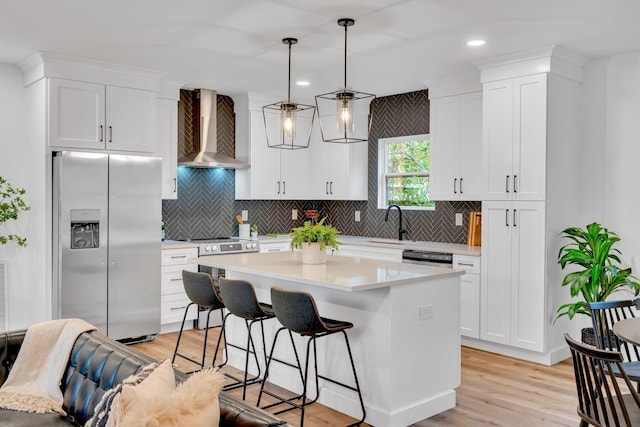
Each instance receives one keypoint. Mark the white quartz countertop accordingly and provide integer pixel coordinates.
(340, 272)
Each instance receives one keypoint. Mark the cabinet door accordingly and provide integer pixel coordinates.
(528, 277)
(497, 139)
(445, 131)
(469, 295)
(495, 295)
(530, 136)
(470, 153)
(130, 119)
(296, 172)
(330, 168)
(76, 114)
(265, 162)
(167, 140)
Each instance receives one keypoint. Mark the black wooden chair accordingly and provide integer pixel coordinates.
(603, 316)
(297, 312)
(602, 400)
(202, 292)
(240, 299)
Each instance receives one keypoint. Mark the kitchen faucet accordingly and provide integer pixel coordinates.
(386, 218)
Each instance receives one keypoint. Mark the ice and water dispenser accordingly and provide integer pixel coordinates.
(85, 228)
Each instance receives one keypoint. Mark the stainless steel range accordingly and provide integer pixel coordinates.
(225, 245)
(220, 246)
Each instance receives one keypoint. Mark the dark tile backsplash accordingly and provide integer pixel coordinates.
(206, 206)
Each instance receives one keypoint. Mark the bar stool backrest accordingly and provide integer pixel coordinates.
(297, 311)
(201, 289)
(240, 298)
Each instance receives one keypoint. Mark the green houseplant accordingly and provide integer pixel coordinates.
(314, 239)
(11, 204)
(599, 273)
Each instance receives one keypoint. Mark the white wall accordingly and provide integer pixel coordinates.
(26, 290)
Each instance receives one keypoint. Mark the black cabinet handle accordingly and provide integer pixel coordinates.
(514, 217)
(326, 187)
(460, 185)
(110, 134)
(515, 181)
(330, 187)
(101, 133)
(175, 185)
(506, 184)
(284, 187)
(455, 181)
(506, 217)
(278, 187)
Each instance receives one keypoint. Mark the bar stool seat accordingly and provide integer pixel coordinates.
(297, 312)
(240, 299)
(202, 292)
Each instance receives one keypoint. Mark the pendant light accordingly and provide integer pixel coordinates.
(293, 117)
(347, 103)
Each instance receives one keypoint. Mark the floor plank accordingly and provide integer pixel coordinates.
(495, 390)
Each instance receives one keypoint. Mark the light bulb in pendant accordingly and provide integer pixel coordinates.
(345, 115)
(288, 120)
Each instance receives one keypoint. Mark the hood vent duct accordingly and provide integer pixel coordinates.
(208, 156)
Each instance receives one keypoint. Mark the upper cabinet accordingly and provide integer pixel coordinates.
(455, 129)
(97, 116)
(515, 138)
(324, 171)
(167, 140)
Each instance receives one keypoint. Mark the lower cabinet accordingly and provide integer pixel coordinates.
(469, 294)
(173, 298)
(512, 300)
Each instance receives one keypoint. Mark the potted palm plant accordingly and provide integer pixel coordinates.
(11, 204)
(599, 273)
(314, 239)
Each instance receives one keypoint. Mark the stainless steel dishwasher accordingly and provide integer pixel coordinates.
(428, 258)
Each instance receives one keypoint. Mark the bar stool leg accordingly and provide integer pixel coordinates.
(184, 318)
(266, 371)
(355, 377)
(222, 335)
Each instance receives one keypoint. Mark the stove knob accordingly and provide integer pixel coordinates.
(253, 245)
(214, 248)
(207, 248)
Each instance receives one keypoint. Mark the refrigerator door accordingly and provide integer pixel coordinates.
(80, 203)
(135, 217)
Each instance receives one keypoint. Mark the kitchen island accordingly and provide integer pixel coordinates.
(405, 341)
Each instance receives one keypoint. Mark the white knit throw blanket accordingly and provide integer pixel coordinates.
(33, 384)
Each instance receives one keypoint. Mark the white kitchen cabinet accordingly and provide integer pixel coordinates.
(324, 171)
(173, 298)
(469, 294)
(456, 147)
(515, 138)
(167, 140)
(97, 116)
(512, 309)
(274, 173)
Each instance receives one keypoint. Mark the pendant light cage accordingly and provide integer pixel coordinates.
(288, 124)
(344, 114)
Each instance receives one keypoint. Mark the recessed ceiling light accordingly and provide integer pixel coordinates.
(302, 83)
(475, 43)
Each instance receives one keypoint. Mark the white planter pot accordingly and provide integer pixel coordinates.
(311, 254)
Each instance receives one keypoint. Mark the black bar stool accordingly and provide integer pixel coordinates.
(202, 292)
(240, 299)
(297, 312)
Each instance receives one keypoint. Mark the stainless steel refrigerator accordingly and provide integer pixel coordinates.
(106, 233)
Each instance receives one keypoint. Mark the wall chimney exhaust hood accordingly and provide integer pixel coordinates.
(208, 156)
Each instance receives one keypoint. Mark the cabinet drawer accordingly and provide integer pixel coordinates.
(173, 306)
(470, 264)
(171, 282)
(179, 256)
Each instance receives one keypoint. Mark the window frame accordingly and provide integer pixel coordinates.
(383, 160)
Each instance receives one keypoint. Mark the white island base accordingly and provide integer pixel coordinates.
(405, 339)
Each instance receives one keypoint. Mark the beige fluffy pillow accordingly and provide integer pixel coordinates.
(194, 403)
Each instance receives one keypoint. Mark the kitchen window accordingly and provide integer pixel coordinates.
(403, 172)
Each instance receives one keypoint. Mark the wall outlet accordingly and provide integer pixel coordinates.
(357, 216)
(426, 312)
(245, 215)
(459, 219)
(294, 214)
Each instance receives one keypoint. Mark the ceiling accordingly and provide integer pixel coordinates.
(235, 45)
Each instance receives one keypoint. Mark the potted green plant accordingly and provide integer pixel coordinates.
(11, 204)
(254, 230)
(314, 239)
(599, 273)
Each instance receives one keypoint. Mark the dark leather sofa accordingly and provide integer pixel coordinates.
(98, 363)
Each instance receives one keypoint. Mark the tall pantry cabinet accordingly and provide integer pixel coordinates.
(531, 108)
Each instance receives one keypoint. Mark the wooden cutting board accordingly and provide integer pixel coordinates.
(474, 237)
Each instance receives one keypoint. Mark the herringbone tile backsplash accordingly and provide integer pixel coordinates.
(206, 206)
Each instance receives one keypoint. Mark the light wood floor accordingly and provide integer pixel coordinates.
(495, 390)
